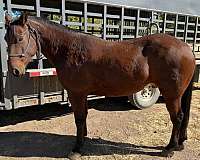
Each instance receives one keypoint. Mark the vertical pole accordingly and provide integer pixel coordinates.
(195, 34)
(5, 76)
(186, 28)
(152, 16)
(8, 6)
(85, 17)
(64, 98)
(176, 26)
(63, 12)
(38, 8)
(164, 22)
(42, 97)
(152, 20)
(104, 21)
(137, 23)
(40, 65)
(122, 24)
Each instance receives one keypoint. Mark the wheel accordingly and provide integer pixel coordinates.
(146, 97)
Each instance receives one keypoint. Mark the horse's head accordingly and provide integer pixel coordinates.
(22, 44)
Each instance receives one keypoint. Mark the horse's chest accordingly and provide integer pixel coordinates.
(73, 80)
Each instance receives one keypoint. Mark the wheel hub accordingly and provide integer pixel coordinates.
(148, 92)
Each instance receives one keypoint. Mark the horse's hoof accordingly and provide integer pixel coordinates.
(74, 156)
(167, 153)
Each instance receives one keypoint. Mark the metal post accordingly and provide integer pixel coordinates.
(195, 34)
(1, 33)
(104, 21)
(38, 8)
(176, 26)
(40, 65)
(9, 6)
(137, 23)
(63, 12)
(85, 17)
(186, 28)
(5, 81)
(15, 100)
(152, 20)
(152, 16)
(41, 96)
(164, 22)
(122, 24)
(65, 95)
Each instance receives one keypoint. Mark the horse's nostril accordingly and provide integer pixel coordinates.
(16, 72)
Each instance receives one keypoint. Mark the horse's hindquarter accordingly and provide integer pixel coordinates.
(171, 63)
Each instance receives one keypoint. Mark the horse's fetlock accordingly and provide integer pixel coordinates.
(182, 139)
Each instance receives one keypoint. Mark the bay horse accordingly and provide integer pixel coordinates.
(87, 65)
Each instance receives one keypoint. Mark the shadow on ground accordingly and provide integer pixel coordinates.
(36, 144)
(50, 111)
(44, 112)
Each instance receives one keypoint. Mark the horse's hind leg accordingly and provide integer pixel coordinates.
(176, 115)
(185, 105)
(79, 107)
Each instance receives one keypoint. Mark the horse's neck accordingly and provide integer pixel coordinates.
(53, 41)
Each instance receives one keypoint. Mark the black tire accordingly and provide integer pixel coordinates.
(146, 97)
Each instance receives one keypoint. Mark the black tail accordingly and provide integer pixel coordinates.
(185, 105)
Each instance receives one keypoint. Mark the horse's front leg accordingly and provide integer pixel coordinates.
(79, 107)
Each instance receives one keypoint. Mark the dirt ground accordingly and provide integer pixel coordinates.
(115, 131)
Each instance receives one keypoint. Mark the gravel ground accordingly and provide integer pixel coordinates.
(115, 131)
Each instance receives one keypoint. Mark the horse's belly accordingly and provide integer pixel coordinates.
(120, 89)
(122, 83)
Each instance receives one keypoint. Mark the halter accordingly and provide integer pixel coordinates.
(34, 33)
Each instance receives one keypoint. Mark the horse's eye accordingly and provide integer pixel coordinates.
(20, 39)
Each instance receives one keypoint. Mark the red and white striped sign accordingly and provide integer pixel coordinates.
(41, 72)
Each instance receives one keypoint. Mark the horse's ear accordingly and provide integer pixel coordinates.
(23, 19)
(8, 19)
